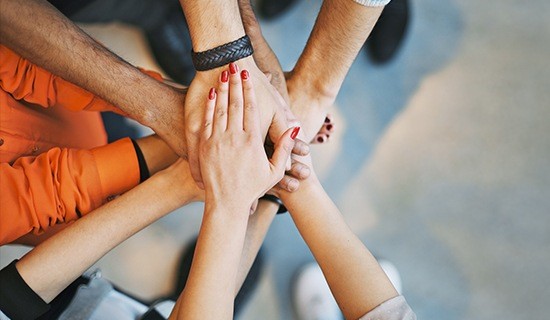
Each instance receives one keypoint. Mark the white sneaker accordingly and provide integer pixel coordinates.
(312, 297)
(391, 271)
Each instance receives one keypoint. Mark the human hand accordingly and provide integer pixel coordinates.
(265, 58)
(271, 116)
(233, 162)
(181, 183)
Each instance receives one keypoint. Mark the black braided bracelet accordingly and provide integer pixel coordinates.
(222, 55)
(274, 199)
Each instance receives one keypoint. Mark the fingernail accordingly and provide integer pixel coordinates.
(292, 185)
(295, 132)
(212, 94)
(320, 139)
(233, 68)
(225, 76)
(304, 173)
(244, 74)
(327, 120)
(329, 126)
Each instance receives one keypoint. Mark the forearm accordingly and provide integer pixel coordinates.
(355, 278)
(212, 22)
(258, 225)
(209, 292)
(338, 34)
(38, 32)
(54, 264)
(158, 155)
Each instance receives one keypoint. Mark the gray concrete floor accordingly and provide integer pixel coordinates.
(440, 164)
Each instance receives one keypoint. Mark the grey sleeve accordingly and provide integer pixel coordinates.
(373, 3)
(394, 309)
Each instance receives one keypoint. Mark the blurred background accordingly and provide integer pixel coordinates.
(440, 163)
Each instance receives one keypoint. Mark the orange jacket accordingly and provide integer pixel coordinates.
(54, 164)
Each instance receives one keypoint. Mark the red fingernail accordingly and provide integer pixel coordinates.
(295, 132)
(320, 139)
(329, 127)
(233, 68)
(244, 75)
(327, 120)
(225, 76)
(212, 94)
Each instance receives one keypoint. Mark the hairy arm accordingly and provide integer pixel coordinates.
(338, 34)
(213, 23)
(38, 32)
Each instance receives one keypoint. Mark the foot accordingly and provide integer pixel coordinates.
(387, 36)
(326, 130)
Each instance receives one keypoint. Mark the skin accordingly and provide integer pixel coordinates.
(231, 141)
(355, 278)
(205, 19)
(232, 158)
(55, 43)
(314, 83)
(56, 262)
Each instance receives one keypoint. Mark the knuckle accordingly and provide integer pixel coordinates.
(249, 106)
(235, 104)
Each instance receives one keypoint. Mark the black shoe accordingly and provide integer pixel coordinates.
(171, 46)
(388, 34)
(246, 291)
(271, 9)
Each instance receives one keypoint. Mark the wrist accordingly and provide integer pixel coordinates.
(244, 63)
(311, 184)
(226, 206)
(177, 188)
(311, 88)
(207, 19)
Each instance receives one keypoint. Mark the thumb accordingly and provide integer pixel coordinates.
(283, 148)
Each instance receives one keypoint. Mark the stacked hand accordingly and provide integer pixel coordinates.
(233, 163)
(270, 111)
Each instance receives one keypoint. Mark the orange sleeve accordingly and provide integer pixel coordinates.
(26, 81)
(60, 185)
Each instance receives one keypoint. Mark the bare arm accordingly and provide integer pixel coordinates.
(213, 23)
(353, 274)
(158, 155)
(339, 33)
(232, 157)
(54, 264)
(37, 31)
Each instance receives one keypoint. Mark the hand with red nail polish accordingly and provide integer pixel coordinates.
(272, 119)
(234, 166)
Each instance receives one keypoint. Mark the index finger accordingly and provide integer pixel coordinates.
(251, 113)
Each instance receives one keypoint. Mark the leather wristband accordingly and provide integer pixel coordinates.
(274, 199)
(222, 55)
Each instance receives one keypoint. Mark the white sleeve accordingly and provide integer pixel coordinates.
(394, 309)
(373, 3)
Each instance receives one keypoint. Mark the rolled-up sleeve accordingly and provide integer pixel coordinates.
(61, 185)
